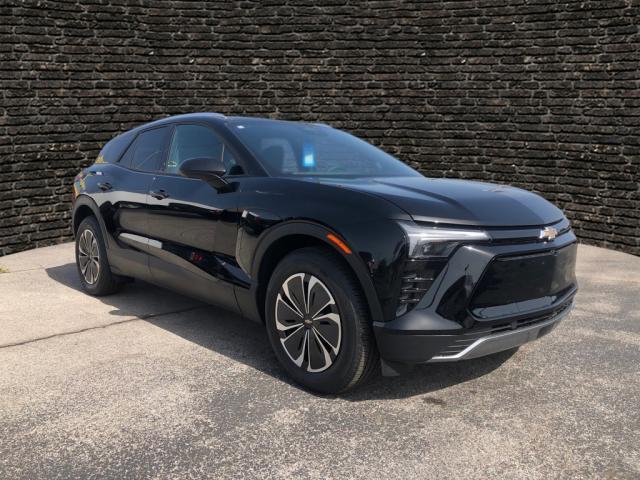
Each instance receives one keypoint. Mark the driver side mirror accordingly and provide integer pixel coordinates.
(208, 169)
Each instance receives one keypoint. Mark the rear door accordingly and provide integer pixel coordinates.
(192, 226)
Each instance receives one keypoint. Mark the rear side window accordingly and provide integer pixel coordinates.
(114, 149)
(147, 151)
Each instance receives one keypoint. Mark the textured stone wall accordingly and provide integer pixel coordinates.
(542, 94)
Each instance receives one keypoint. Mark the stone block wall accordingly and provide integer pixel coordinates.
(540, 94)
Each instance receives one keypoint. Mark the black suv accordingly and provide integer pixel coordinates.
(346, 254)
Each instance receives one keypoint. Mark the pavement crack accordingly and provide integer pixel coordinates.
(88, 329)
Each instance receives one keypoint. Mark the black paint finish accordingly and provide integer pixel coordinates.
(220, 244)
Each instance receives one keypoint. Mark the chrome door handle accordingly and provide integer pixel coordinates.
(159, 194)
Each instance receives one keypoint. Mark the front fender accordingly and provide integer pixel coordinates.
(318, 232)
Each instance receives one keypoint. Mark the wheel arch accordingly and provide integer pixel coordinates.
(79, 214)
(290, 236)
(84, 207)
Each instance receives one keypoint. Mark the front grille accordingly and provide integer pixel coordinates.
(526, 322)
(513, 285)
(416, 278)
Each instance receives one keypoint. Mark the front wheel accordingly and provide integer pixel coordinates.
(318, 322)
(91, 260)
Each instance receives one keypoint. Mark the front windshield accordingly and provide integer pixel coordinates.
(302, 149)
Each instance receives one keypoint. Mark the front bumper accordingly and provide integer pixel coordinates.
(458, 319)
(498, 342)
(410, 348)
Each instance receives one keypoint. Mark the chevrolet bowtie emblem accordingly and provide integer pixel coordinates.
(548, 234)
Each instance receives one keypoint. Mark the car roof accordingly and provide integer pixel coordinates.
(200, 116)
(210, 117)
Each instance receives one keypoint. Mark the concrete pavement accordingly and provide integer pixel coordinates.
(150, 384)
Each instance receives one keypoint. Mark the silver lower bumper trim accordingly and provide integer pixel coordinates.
(504, 340)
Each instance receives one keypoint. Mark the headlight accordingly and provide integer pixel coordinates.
(426, 242)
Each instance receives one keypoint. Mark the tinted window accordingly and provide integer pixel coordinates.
(114, 149)
(229, 161)
(289, 148)
(194, 141)
(147, 151)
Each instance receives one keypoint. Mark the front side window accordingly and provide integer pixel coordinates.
(196, 141)
(302, 149)
(146, 152)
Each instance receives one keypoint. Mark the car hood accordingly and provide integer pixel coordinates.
(457, 201)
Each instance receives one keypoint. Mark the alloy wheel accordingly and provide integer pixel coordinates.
(89, 256)
(308, 322)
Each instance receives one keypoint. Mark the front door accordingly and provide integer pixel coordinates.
(123, 200)
(192, 226)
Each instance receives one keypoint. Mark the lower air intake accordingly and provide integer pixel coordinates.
(417, 277)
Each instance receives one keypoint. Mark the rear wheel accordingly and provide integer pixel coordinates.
(318, 322)
(91, 260)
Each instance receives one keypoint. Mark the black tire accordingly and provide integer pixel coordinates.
(103, 282)
(356, 358)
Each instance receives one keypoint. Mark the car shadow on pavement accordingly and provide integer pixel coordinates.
(245, 341)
